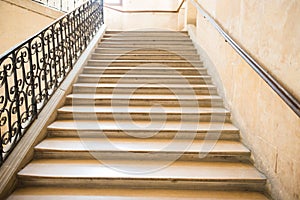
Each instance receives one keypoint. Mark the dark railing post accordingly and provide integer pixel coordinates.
(33, 98)
(16, 131)
(33, 70)
(44, 65)
(1, 148)
(53, 60)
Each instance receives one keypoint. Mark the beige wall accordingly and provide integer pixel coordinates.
(20, 19)
(125, 20)
(270, 31)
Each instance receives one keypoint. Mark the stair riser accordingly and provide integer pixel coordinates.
(175, 46)
(142, 57)
(227, 184)
(183, 156)
(137, 80)
(145, 38)
(149, 102)
(158, 71)
(216, 117)
(200, 135)
(145, 42)
(147, 34)
(144, 51)
(144, 63)
(162, 91)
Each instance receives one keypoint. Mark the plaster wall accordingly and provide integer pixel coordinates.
(151, 5)
(152, 18)
(270, 32)
(20, 19)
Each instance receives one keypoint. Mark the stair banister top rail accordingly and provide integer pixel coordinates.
(285, 95)
(32, 71)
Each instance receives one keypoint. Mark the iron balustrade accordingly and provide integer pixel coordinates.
(32, 71)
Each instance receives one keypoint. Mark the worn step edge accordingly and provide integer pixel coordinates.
(50, 193)
(144, 100)
(138, 148)
(131, 50)
(145, 89)
(143, 113)
(213, 128)
(145, 38)
(148, 86)
(179, 174)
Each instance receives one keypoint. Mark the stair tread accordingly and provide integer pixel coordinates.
(148, 85)
(142, 145)
(143, 54)
(146, 61)
(146, 38)
(138, 125)
(142, 109)
(125, 49)
(143, 76)
(154, 67)
(157, 44)
(124, 169)
(145, 96)
(153, 41)
(50, 193)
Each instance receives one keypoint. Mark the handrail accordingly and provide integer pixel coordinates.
(147, 11)
(286, 96)
(32, 71)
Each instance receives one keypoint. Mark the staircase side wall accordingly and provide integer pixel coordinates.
(270, 31)
(20, 19)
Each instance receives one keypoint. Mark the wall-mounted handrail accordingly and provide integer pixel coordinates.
(286, 96)
(32, 71)
(147, 11)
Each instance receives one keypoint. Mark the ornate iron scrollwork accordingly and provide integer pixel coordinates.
(30, 73)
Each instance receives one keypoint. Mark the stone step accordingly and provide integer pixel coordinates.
(148, 33)
(151, 70)
(109, 37)
(142, 63)
(164, 46)
(177, 114)
(62, 193)
(144, 100)
(146, 42)
(144, 79)
(131, 50)
(142, 174)
(142, 149)
(98, 56)
(165, 89)
(142, 129)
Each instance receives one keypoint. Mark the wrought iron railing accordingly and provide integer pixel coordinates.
(61, 5)
(33, 70)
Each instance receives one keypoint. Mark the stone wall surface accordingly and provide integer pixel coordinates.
(270, 32)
